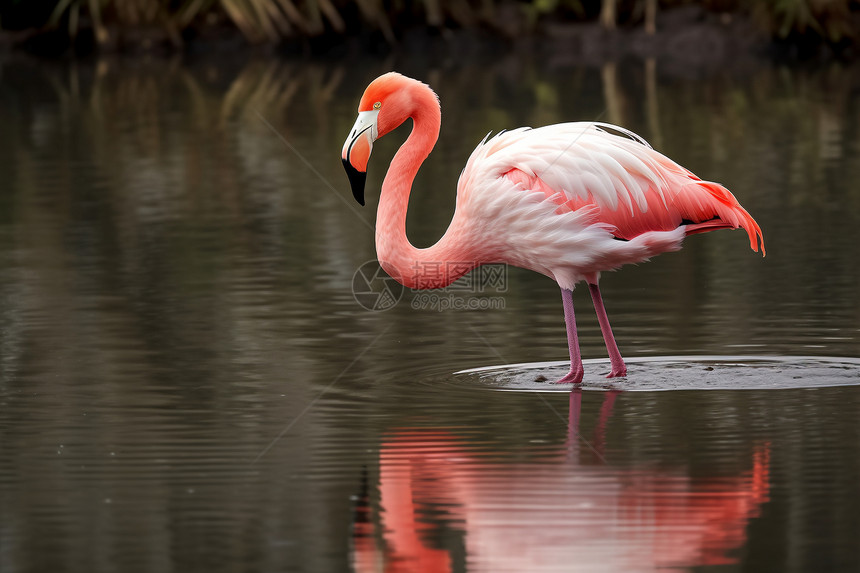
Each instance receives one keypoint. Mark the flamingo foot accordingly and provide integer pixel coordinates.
(619, 371)
(572, 377)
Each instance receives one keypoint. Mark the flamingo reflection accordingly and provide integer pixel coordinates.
(442, 508)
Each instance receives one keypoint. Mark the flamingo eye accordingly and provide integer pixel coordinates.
(377, 105)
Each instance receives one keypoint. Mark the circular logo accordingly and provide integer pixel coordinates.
(374, 289)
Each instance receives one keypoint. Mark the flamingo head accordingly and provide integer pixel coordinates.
(387, 102)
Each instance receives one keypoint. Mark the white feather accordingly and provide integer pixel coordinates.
(580, 160)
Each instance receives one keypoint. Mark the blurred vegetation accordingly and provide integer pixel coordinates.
(113, 23)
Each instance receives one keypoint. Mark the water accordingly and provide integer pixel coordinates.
(187, 383)
(675, 373)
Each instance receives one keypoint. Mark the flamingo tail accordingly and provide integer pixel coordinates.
(729, 214)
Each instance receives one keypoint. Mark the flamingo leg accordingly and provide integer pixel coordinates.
(576, 370)
(618, 366)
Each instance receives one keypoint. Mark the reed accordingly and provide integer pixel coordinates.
(274, 21)
(831, 20)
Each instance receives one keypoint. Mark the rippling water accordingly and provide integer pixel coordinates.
(187, 382)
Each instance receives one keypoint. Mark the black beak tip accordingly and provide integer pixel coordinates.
(356, 181)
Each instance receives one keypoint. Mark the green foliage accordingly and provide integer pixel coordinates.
(832, 20)
(258, 20)
(536, 9)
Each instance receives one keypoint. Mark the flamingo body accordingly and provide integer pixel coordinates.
(572, 200)
(569, 201)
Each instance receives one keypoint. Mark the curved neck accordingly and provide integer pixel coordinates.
(447, 260)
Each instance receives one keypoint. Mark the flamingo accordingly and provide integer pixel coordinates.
(563, 512)
(569, 201)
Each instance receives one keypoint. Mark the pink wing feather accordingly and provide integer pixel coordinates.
(634, 188)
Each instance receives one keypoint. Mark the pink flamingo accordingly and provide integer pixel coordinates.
(568, 200)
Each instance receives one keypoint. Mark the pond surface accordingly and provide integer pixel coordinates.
(188, 383)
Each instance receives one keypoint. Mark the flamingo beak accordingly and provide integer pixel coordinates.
(356, 151)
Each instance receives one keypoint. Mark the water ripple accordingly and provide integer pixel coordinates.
(661, 373)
